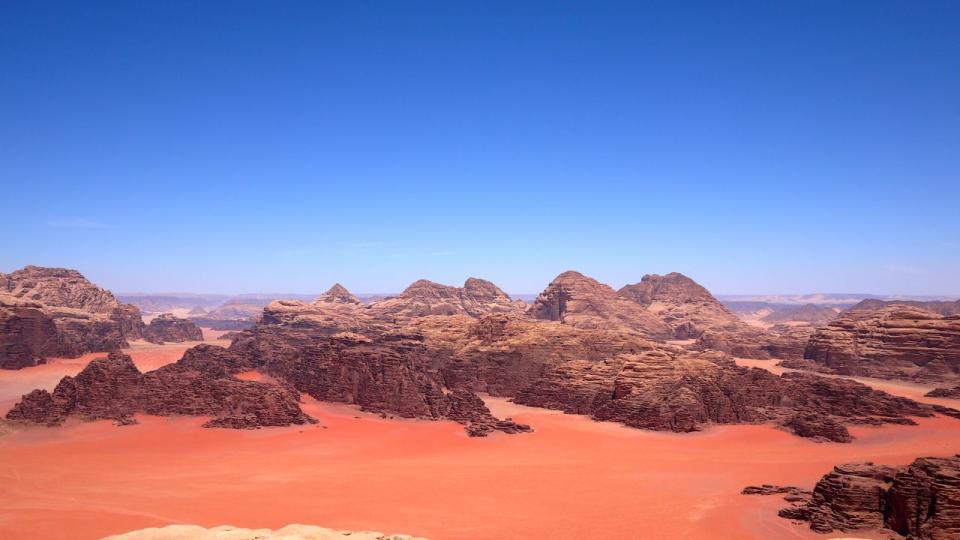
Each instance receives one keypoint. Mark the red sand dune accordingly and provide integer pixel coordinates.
(572, 478)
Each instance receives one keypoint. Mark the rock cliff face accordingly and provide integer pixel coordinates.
(687, 307)
(476, 298)
(200, 384)
(582, 302)
(939, 307)
(919, 501)
(894, 341)
(27, 334)
(85, 318)
(167, 328)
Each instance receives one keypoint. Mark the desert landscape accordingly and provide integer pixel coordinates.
(398, 413)
(485, 270)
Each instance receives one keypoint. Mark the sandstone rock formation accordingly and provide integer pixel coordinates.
(84, 317)
(919, 501)
(199, 384)
(27, 334)
(687, 307)
(939, 307)
(338, 294)
(226, 532)
(582, 302)
(953, 392)
(813, 314)
(476, 298)
(167, 328)
(894, 341)
(779, 341)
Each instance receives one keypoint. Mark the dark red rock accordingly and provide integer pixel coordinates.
(167, 328)
(919, 501)
(200, 384)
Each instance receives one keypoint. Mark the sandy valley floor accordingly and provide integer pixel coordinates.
(572, 478)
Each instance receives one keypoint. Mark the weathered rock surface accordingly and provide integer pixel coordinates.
(476, 298)
(894, 341)
(582, 302)
(953, 392)
(944, 308)
(84, 317)
(779, 341)
(388, 372)
(199, 384)
(687, 307)
(167, 328)
(338, 294)
(919, 501)
(226, 532)
(814, 314)
(27, 334)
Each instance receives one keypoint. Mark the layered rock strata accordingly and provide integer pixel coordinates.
(894, 341)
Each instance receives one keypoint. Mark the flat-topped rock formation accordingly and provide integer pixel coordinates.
(944, 308)
(813, 314)
(921, 500)
(84, 317)
(422, 298)
(894, 341)
(338, 294)
(687, 307)
(167, 328)
(199, 384)
(583, 302)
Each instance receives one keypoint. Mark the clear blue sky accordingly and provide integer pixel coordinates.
(759, 147)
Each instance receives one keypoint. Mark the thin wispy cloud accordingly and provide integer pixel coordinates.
(75, 223)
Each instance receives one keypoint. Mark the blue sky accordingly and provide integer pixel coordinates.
(759, 147)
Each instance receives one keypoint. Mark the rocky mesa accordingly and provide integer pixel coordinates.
(57, 312)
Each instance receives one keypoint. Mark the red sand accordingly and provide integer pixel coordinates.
(572, 478)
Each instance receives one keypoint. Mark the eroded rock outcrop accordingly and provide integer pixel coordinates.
(952, 392)
(84, 317)
(167, 328)
(920, 501)
(687, 307)
(379, 369)
(582, 302)
(814, 314)
(199, 384)
(338, 294)
(893, 341)
(422, 298)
